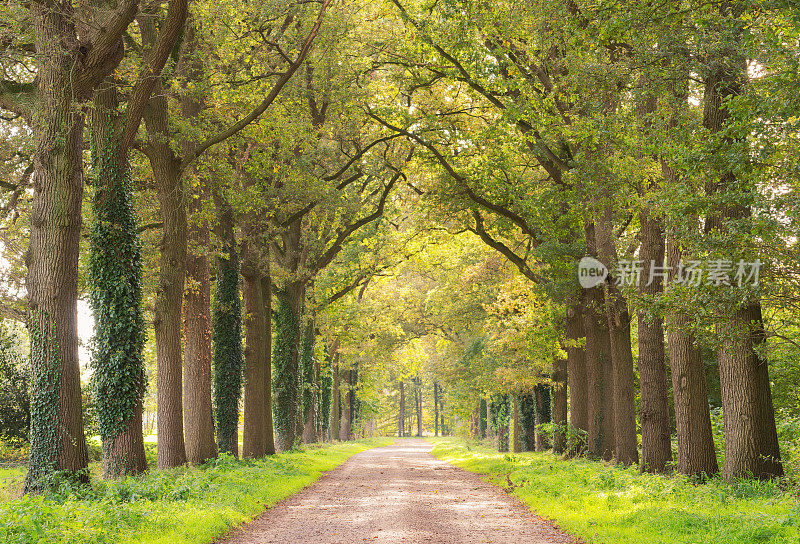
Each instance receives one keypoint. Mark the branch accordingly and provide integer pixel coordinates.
(14, 95)
(503, 249)
(153, 65)
(268, 100)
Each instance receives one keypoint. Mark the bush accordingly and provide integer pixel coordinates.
(15, 407)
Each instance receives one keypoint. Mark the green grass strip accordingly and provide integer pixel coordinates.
(604, 504)
(188, 505)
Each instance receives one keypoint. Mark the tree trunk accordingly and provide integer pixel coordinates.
(418, 399)
(227, 336)
(626, 449)
(435, 408)
(543, 415)
(527, 408)
(169, 292)
(484, 409)
(197, 411)
(401, 413)
(115, 278)
(269, 426)
(599, 369)
(751, 442)
(336, 400)
(286, 362)
(655, 417)
(254, 440)
(344, 429)
(518, 432)
(696, 450)
(578, 379)
(559, 405)
(310, 384)
(57, 440)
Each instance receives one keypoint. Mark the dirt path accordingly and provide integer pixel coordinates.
(398, 494)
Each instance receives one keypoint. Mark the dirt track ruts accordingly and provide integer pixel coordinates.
(399, 493)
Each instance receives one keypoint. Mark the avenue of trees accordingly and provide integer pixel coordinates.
(298, 221)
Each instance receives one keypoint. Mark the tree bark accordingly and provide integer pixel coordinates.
(599, 370)
(310, 384)
(626, 450)
(518, 427)
(57, 440)
(578, 378)
(198, 413)
(254, 440)
(543, 415)
(696, 451)
(344, 429)
(286, 355)
(560, 376)
(435, 408)
(269, 425)
(654, 417)
(418, 402)
(336, 400)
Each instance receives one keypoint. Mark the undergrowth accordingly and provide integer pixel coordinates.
(181, 506)
(605, 504)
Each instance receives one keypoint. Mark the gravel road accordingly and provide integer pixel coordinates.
(399, 494)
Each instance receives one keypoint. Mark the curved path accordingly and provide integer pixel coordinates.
(399, 494)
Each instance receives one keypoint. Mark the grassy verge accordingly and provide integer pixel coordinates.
(187, 505)
(609, 505)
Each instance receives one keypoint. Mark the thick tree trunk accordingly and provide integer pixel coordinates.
(599, 368)
(269, 426)
(57, 440)
(286, 362)
(169, 292)
(227, 336)
(626, 449)
(484, 415)
(655, 417)
(578, 379)
(198, 415)
(559, 405)
(254, 440)
(696, 451)
(115, 277)
(751, 444)
(336, 400)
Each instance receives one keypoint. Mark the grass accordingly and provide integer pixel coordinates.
(186, 505)
(604, 504)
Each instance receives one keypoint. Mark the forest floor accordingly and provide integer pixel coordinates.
(399, 493)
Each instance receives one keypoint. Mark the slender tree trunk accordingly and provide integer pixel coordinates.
(336, 400)
(578, 379)
(518, 427)
(115, 277)
(344, 429)
(484, 409)
(655, 417)
(559, 405)
(255, 374)
(527, 408)
(401, 416)
(543, 415)
(435, 408)
(418, 398)
(198, 413)
(626, 449)
(310, 384)
(269, 426)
